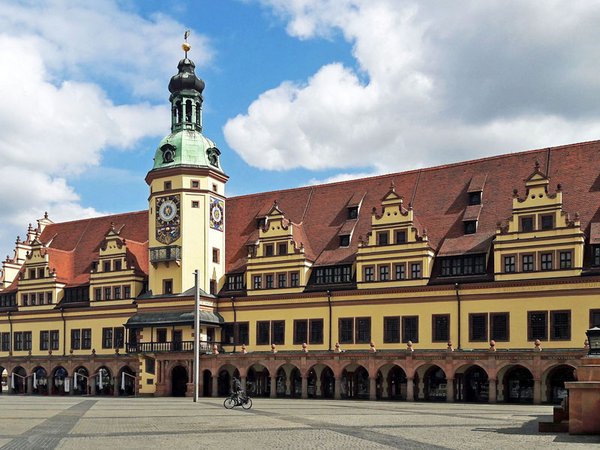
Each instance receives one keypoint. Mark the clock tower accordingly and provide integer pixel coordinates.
(187, 196)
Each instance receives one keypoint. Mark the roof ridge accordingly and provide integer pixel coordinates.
(421, 169)
(99, 217)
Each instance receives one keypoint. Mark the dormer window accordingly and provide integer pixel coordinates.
(168, 153)
(474, 198)
(596, 255)
(261, 222)
(352, 212)
(547, 222)
(345, 240)
(470, 226)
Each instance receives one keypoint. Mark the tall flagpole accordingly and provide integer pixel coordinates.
(196, 335)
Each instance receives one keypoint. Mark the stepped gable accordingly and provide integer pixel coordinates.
(439, 197)
(74, 245)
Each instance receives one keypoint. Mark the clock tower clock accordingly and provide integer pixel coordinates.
(187, 196)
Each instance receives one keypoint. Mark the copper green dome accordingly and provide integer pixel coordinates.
(188, 148)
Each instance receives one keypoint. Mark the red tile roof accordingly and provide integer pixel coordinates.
(439, 197)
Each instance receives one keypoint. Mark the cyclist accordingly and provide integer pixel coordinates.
(237, 390)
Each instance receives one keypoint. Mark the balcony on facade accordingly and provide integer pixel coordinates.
(171, 346)
(165, 254)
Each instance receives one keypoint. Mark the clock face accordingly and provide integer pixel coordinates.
(217, 207)
(167, 210)
(167, 219)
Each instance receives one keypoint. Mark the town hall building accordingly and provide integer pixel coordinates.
(468, 282)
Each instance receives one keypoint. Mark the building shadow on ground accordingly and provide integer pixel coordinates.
(530, 428)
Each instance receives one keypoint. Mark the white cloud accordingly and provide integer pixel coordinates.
(440, 81)
(55, 119)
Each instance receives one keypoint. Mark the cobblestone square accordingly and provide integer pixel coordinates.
(141, 423)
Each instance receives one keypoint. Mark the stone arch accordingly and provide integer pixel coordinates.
(81, 381)
(391, 382)
(471, 384)
(59, 383)
(553, 382)
(102, 381)
(179, 375)
(127, 380)
(288, 381)
(18, 380)
(355, 383)
(515, 384)
(431, 382)
(320, 381)
(225, 375)
(41, 381)
(258, 380)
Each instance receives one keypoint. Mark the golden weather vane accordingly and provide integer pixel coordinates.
(186, 46)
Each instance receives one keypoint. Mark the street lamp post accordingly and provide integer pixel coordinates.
(196, 335)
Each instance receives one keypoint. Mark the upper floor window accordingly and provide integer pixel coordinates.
(368, 273)
(382, 238)
(294, 279)
(118, 265)
(474, 198)
(384, 273)
(400, 236)
(215, 255)
(441, 327)
(400, 271)
(257, 282)
(235, 282)
(336, 274)
(106, 266)
(269, 250)
(547, 222)
(526, 224)
(546, 261)
(415, 270)
(167, 287)
(527, 263)
(269, 281)
(352, 212)
(32, 273)
(463, 265)
(537, 325)
(282, 280)
(566, 260)
(510, 264)
(282, 248)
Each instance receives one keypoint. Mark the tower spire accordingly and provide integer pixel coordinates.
(186, 46)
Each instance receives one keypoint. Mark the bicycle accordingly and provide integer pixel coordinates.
(238, 400)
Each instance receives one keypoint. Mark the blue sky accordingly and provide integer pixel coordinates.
(297, 91)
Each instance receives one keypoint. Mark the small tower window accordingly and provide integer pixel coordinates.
(474, 198)
(198, 114)
(188, 111)
(168, 186)
(167, 287)
(179, 114)
(195, 184)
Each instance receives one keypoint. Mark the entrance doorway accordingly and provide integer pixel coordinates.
(179, 380)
